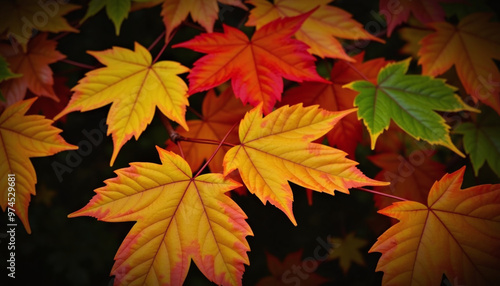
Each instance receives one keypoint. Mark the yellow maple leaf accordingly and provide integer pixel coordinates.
(456, 234)
(179, 218)
(347, 250)
(135, 86)
(319, 30)
(471, 46)
(21, 17)
(278, 148)
(23, 137)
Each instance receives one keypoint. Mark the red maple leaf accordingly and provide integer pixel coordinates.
(256, 65)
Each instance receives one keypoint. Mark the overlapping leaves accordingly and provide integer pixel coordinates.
(277, 148)
(319, 31)
(179, 218)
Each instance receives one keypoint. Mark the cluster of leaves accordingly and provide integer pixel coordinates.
(282, 119)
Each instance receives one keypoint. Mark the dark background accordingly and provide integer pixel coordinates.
(80, 251)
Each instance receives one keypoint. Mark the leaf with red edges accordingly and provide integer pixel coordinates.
(179, 218)
(277, 149)
(23, 137)
(135, 86)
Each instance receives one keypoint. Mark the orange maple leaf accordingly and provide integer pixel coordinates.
(34, 67)
(471, 47)
(179, 218)
(319, 30)
(255, 66)
(135, 86)
(285, 273)
(333, 97)
(23, 137)
(21, 17)
(277, 149)
(219, 113)
(204, 12)
(456, 234)
(411, 176)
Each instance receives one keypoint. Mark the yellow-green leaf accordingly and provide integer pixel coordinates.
(410, 101)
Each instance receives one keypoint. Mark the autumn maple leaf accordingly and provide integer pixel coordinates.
(471, 47)
(21, 17)
(319, 30)
(34, 67)
(179, 218)
(277, 148)
(456, 234)
(135, 86)
(410, 101)
(334, 97)
(23, 137)
(255, 66)
(426, 11)
(219, 115)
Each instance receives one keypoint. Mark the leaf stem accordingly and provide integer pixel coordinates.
(216, 150)
(180, 149)
(172, 134)
(161, 52)
(204, 141)
(77, 64)
(381, 194)
(192, 110)
(156, 41)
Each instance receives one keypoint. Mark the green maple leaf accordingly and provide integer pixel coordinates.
(117, 11)
(482, 140)
(410, 101)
